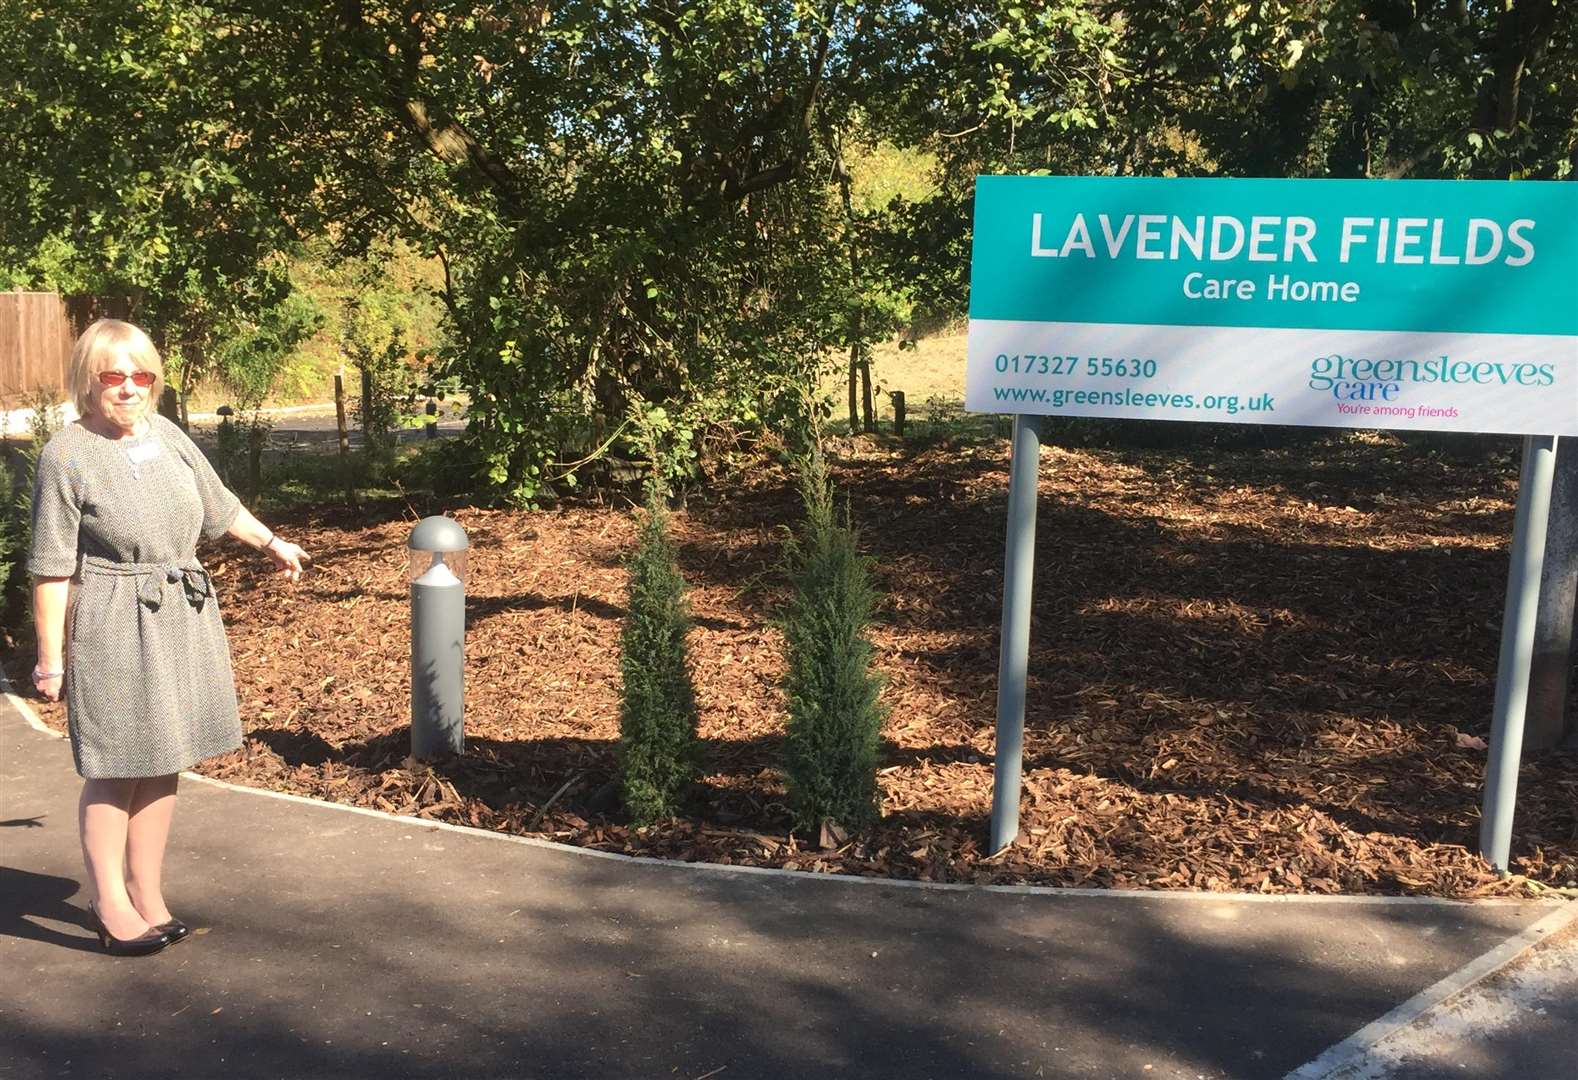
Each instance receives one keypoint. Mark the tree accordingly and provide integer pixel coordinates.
(134, 182)
(640, 205)
(657, 716)
(1368, 88)
(1354, 88)
(984, 87)
(835, 717)
(614, 191)
(632, 204)
(250, 362)
(877, 301)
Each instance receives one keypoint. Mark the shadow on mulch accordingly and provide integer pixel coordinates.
(525, 774)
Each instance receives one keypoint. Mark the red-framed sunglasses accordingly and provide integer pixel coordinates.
(143, 379)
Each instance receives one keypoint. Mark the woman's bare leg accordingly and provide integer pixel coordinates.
(103, 819)
(148, 830)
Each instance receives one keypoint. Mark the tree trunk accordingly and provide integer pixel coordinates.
(1523, 33)
(868, 412)
(854, 401)
(859, 365)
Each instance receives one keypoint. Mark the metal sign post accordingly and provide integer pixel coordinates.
(1517, 648)
(1013, 665)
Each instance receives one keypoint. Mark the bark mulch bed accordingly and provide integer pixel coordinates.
(1265, 670)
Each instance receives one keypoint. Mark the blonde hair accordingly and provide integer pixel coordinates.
(98, 349)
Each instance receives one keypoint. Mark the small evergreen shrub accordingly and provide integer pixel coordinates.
(11, 557)
(16, 512)
(831, 689)
(657, 720)
(238, 452)
(378, 406)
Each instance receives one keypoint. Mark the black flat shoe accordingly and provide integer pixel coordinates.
(142, 945)
(175, 930)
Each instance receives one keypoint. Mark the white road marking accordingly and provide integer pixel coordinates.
(1456, 1008)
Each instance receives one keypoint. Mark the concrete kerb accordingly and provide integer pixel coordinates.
(1175, 895)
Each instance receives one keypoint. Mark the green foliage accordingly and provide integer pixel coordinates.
(379, 313)
(830, 753)
(629, 204)
(657, 718)
(302, 482)
(16, 510)
(618, 206)
(238, 454)
(135, 184)
(250, 363)
(1350, 88)
(370, 298)
(882, 173)
(382, 388)
(11, 537)
(669, 444)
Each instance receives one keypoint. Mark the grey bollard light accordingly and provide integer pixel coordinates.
(438, 637)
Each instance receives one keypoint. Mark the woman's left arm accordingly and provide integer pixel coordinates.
(288, 557)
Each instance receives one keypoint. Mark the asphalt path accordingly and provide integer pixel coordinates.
(333, 942)
(304, 428)
(315, 428)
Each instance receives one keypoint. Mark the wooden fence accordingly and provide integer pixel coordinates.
(35, 342)
(37, 330)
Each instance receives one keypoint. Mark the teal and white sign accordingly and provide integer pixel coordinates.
(1422, 304)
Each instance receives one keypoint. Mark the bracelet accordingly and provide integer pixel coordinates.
(39, 673)
(264, 546)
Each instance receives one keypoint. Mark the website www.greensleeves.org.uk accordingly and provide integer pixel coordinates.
(1139, 400)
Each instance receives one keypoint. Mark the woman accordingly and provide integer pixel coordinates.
(128, 626)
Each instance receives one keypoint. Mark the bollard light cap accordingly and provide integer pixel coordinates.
(438, 533)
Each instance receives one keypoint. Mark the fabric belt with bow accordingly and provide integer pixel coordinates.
(196, 586)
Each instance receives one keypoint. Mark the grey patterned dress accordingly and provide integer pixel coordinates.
(148, 686)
